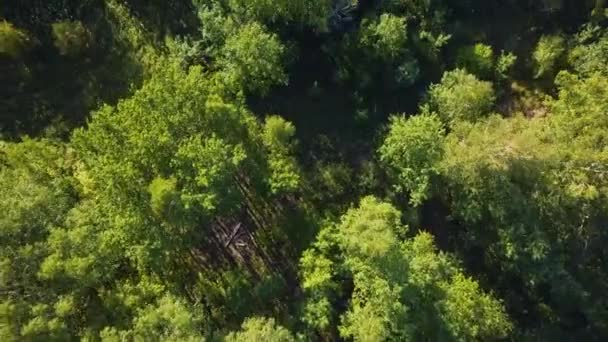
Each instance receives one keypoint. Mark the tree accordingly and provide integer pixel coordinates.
(252, 60)
(427, 20)
(515, 183)
(155, 172)
(385, 37)
(412, 148)
(13, 41)
(186, 206)
(460, 97)
(37, 193)
(169, 319)
(588, 55)
(71, 38)
(379, 48)
(314, 14)
(402, 288)
(547, 55)
(504, 65)
(477, 59)
(321, 271)
(260, 329)
(277, 137)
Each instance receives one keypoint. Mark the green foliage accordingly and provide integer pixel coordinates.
(277, 137)
(386, 36)
(130, 32)
(547, 55)
(469, 314)
(260, 329)
(314, 14)
(317, 274)
(370, 231)
(504, 64)
(412, 148)
(579, 108)
(215, 27)
(320, 271)
(477, 59)
(252, 59)
(71, 38)
(332, 181)
(278, 133)
(167, 320)
(461, 97)
(128, 150)
(379, 51)
(163, 196)
(149, 181)
(182, 210)
(408, 72)
(430, 16)
(36, 196)
(368, 237)
(13, 41)
(403, 289)
(491, 173)
(590, 54)
(207, 165)
(515, 184)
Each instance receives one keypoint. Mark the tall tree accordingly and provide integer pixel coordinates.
(412, 148)
(37, 193)
(403, 288)
(461, 96)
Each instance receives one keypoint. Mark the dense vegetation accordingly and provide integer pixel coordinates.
(303, 170)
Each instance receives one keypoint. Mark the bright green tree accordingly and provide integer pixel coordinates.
(413, 147)
(169, 319)
(278, 135)
(154, 172)
(385, 37)
(37, 193)
(504, 65)
(314, 14)
(13, 41)
(461, 97)
(403, 288)
(547, 55)
(590, 52)
(252, 59)
(260, 329)
(526, 189)
(477, 59)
